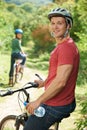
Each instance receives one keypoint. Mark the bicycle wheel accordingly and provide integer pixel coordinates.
(18, 74)
(18, 77)
(8, 123)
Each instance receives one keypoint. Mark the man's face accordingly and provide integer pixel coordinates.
(58, 26)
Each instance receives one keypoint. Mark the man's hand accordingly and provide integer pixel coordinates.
(40, 82)
(32, 106)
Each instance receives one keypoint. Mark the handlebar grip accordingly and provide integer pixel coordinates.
(35, 85)
(7, 93)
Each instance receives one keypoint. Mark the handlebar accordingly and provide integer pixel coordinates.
(10, 92)
(26, 98)
(26, 86)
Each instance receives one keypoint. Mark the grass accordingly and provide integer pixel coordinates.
(40, 65)
(4, 68)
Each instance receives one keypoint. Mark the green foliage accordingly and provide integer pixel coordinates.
(76, 22)
(44, 57)
(82, 44)
(61, 1)
(82, 9)
(11, 7)
(40, 63)
(28, 17)
(4, 68)
(82, 122)
(28, 7)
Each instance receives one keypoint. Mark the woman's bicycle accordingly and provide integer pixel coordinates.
(17, 122)
(18, 72)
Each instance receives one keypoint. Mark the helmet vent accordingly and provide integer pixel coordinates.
(53, 10)
(58, 9)
(62, 10)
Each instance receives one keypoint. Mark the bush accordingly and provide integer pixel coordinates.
(43, 42)
(82, 122)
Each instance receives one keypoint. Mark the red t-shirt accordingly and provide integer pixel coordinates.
(64, 53)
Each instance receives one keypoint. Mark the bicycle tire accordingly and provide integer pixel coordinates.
(18, 77)
(8, 123)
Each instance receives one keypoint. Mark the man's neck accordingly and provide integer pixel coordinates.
(61, 40)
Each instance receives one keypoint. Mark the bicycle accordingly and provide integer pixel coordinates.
(17, 122)
(18, 72)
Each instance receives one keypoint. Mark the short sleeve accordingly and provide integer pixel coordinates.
(65, 55)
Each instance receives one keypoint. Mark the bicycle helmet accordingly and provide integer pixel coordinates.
(18, 31)
(63, 13)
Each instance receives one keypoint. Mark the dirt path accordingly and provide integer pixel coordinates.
(10, 104)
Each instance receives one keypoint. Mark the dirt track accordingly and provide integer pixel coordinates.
(10, 104)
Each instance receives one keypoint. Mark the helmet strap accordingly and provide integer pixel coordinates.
(66, 33)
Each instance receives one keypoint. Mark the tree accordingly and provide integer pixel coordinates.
(43, 40)
(82, 9)
(61, 1)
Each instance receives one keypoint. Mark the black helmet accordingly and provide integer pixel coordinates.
(63, 13)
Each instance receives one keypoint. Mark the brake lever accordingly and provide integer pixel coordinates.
(38, 76)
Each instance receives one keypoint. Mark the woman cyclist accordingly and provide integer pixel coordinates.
(17, 53)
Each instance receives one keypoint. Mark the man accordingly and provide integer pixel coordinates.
(59, 96)
(17, 53)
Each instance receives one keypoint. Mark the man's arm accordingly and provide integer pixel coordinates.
(56, 86)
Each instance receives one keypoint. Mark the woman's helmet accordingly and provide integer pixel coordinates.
(63, 13)
(18, 31)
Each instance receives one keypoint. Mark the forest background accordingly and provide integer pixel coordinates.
(32, 18)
